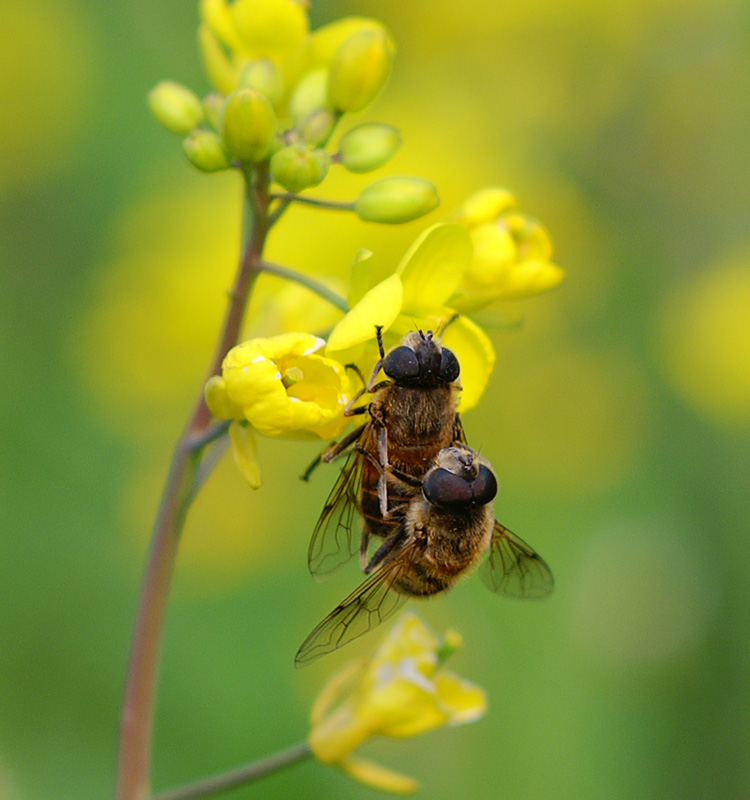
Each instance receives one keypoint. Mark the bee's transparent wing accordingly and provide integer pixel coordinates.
(514, 569)
(333, 541)
(371, 603)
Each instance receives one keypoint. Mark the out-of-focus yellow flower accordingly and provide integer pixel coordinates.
(234, 35)
(512, 252)
(703, 341)
(417, 295)
(401, 691)
(282, 387)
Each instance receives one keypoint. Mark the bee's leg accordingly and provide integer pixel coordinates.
(371, 386)
(354, 368)
(404, 477)
(333, 451)
(458, 430)
(382, 442)
(389, 548)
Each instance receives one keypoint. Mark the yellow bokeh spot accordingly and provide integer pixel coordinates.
(45, 88)
(704, 341)
(572, 422)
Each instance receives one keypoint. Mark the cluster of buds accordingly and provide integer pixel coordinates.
(281, 90)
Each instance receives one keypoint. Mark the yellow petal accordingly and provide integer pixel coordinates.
(494, 253)
(475, 354)
(334, 689)
(408, 638)
(486, 205)
(379, 306)
(463, 700)
(270, 28)
(359, 277)
(326, 40)
(220, 70)
(245, 452)
(378, 777)
(218, 400)
(433, 267)
(529, 278)
(217, 15)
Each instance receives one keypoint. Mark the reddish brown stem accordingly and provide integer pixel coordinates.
(134, 775)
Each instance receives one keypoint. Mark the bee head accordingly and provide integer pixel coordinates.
(459, 478)
(421, 360)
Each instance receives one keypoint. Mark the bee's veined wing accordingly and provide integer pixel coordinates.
(514, 569)
(371, 603)
(333, 541)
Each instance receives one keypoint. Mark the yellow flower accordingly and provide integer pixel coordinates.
(401, 691)
(233, 35)
(417, 295)
(282, 387)
(512, 252)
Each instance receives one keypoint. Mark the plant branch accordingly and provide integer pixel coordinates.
(181, 486)
(333, 205)
(236, 777)
(318, 288)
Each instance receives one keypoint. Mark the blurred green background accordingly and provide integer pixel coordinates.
(618, 418)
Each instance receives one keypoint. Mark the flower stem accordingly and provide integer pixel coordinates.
(140, 689)
(236, 777)
(318, 288)
(333, 205)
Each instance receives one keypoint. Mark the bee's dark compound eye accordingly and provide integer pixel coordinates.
(449, 368)
(444, 488)
(484, 487)
(401, 363)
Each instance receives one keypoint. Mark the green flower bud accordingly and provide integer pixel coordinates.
(263, 75)
(368, 146)
(204, 151)
(297, 168)
(248, 125)
(359, 69)
(310, 94)
(315, 128)
(396, 200)
(177, 108)
(213, 105)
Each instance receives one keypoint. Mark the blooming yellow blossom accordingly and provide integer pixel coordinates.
(282, 387)
(401, 691)
(512, 252)
(417, 294)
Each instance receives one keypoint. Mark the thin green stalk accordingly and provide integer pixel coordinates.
(239, 776)
(333, 205)
(318, 288)
(134, 774)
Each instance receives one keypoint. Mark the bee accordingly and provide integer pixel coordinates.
(444, 532)
(412, 416)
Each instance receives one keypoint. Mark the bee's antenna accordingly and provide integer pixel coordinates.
(443, 328)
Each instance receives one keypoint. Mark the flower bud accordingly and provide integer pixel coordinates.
(316, 128)
(309, 94)
(248, 125)
(396, 200)
(213, 105)
(177, 108)
(368, 146)
(263, 75)
(359, 69)
(204, 151)
(297, 168)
